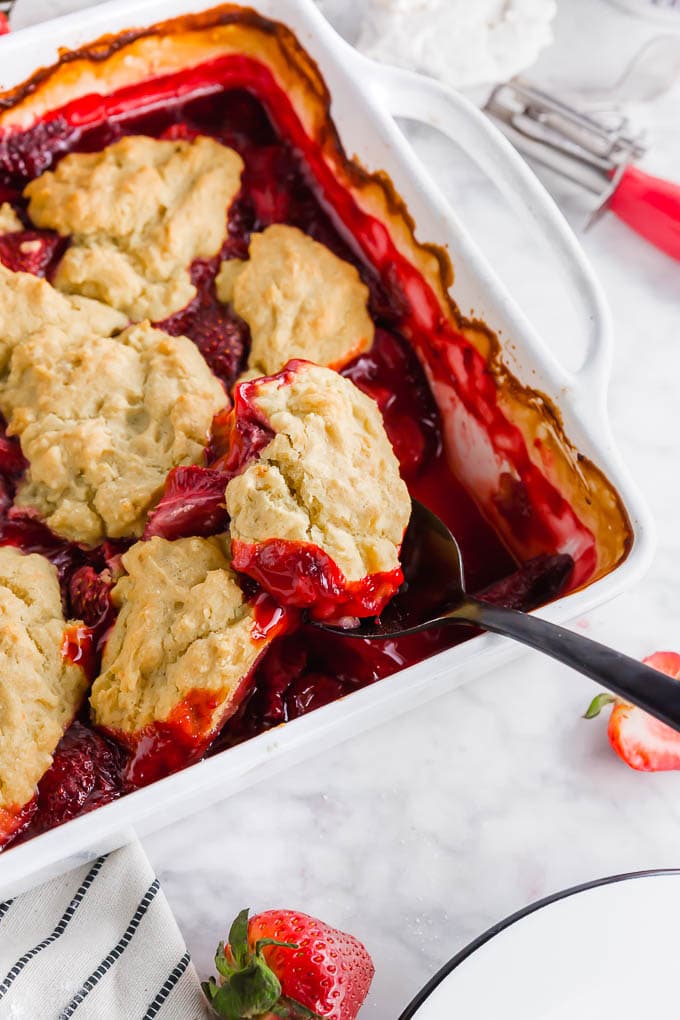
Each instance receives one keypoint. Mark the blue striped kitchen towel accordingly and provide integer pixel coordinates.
(99, 943)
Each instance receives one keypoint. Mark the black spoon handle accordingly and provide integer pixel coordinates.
(631, 680)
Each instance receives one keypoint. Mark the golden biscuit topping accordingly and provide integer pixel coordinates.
(102, 420)
(299, 299)
(138, 213)
(28, 304)
(40, 690)
(183, 626)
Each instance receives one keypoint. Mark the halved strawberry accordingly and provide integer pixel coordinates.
(282, 963)
(638, 738)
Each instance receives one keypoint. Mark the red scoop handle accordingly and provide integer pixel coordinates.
(651, 207)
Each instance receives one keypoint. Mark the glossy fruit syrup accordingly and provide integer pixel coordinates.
(305, 669)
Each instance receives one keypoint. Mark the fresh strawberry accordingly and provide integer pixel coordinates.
(285, 964)
(643, 742)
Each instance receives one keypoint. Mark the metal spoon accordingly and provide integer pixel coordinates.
(433, 595)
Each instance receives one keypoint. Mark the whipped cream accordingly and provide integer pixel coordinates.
(461, 42)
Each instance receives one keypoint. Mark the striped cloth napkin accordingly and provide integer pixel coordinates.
(99, 943)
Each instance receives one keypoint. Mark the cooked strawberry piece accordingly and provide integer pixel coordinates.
(14, 821)
(25, 154)
(286, 963)
(12, 465)
(314, 690)
(641, 740)
(286, 662)
(223, 339)
(220, 335)
(12, 461)
(32, 536)
(240, 225)
(239, 435)
(536, 582)
(179, 131)
(30, 251)
(86, 773)
(89, 593)
(192, 504)
(305, 576)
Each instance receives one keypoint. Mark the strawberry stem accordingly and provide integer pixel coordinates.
(247, 986)
(597, 704)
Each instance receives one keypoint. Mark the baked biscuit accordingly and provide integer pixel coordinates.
(318, 510)
(102, 422)
(179, 656)
(40, 689)
(29, 303)
(138, 213)
(299, 299)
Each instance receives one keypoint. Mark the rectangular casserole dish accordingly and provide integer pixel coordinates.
(599, 518)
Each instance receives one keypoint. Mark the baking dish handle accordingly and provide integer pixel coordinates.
(417, 97)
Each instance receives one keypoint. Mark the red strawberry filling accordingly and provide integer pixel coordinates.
(305, 576)
(14, 821)
(86, 773)
(222, 338)
(171, 745)
(30, 251)
(391, 373)
(241, 434)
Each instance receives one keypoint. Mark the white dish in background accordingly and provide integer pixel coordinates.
(603, 950)
(366, 97)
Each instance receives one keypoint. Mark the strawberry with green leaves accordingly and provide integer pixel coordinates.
(638, 738)
(284, 964)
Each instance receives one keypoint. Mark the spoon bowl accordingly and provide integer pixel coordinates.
(433, 595)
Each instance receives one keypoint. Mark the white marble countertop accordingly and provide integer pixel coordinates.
(421, 833)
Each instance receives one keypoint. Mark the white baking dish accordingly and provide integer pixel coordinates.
(365, 99)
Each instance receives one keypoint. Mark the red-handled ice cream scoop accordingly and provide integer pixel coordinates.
(650, 206)
(598, 154)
